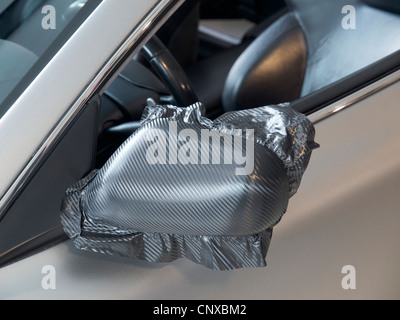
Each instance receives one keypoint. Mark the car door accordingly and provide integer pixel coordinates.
(49, 116)
(337, 240)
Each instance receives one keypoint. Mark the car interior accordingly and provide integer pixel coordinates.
(227, 54)
(233, 55)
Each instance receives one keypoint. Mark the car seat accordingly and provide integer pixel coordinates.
(306, 47)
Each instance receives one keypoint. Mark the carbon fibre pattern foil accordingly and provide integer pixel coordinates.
(289, 134)
(215, 252)
(173, 191)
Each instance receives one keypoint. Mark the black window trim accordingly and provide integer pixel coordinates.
(344, 87)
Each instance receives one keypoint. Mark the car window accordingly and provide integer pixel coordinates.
(31, 32)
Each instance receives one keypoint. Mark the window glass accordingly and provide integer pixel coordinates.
(31, 32)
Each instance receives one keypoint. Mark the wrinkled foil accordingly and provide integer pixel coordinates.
(202, 211)
(289, 134)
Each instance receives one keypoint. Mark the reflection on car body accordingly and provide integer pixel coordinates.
(71, 95)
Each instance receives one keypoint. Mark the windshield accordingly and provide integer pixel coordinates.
(31, 33)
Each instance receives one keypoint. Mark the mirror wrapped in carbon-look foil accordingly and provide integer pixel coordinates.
(183, 186)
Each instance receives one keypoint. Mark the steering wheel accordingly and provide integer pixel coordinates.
(171, 75)
(169, 71)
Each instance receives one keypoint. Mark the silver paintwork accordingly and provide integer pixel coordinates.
(91, 47)
(355, 97)
(346, 212)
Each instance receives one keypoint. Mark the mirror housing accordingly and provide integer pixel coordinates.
(185, 186)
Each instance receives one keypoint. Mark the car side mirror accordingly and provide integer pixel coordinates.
(185, 186)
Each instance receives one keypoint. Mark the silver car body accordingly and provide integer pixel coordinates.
(346, 212)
